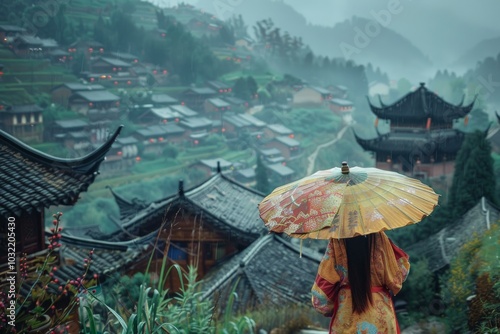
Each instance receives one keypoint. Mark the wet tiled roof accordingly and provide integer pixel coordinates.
(445, 141)
(228, 205)
(422, 104)
(269, 270)
(108, 257)
(31, 180)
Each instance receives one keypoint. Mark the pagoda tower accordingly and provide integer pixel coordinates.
(421, 142)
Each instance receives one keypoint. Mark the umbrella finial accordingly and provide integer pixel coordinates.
(345, 168)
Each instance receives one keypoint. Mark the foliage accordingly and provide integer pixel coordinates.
(473, 177)
(49, 303)
(418, 289)
(245, 88)
(474, 272)
(155, 310)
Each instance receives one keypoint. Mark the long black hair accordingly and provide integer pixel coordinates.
(359, 254)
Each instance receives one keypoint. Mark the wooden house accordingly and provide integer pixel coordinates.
(280, 174)
(236, 103)
(338, 91)
(196, 125)
(9, 32)
(82, 101)
(195, 98)
(245, 176)
(311, 96)
(215, 108)
(271, 156)
(33, 47)
(22, 121)
(341, 106)
(31, 181)
(220, 87)
(212, 166)
(152, 116)
(105, 65)
(205, 225)
(87, 47)
(154, 138)
(185, 111)
(289, 147)
(59, 129)
(274, 130)
(163, 100)
(126, 57)
(61, 94)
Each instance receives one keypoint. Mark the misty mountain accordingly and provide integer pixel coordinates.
(482, 50)
(386, 48)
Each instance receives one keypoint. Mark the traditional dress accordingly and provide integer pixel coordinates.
(331, 294)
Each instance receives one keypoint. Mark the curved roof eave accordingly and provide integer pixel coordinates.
(84, 165)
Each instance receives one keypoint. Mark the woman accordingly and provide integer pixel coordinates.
(354, 284)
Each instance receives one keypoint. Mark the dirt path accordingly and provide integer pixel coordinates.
(312, 157)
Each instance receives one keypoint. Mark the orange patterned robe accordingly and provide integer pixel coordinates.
(331, 293)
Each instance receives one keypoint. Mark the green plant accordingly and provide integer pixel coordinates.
(48, 304)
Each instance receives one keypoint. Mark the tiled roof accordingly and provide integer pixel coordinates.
(114, 62)
(236, 120)
(31, 180)
(288, 141)
(108, 257)
(219, 103)
(445, 141)
(127, 207)
(281, 170)
(201, 91)
(184, 110)
(25, 108)
(165, 112)
(163, 98)
(71, 123)
(341, 102)
(212, 163)
(11, 28)
(441, 248)
(279, 129)
(76, 86)
(254, 120)
(422, 104)
(270, 270)
(196, 122)
(225, 203)
(97, 96)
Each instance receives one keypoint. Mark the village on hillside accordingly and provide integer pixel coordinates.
(163, 163)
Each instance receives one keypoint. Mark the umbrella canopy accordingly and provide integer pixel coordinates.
(346, 202)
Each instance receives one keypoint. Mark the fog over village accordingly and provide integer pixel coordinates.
(137, 139)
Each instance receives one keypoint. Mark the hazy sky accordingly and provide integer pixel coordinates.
(441, 29)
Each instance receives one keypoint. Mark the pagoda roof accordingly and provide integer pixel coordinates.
(444, 141)
(31, 180)
(228, 205)
(259, 271)
(421, 104)
(127, 207)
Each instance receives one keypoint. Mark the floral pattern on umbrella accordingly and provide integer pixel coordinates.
(345, 202)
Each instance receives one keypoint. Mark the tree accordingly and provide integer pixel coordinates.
(240, 88)
(474, 176)
(261, 177)
(252, 86)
